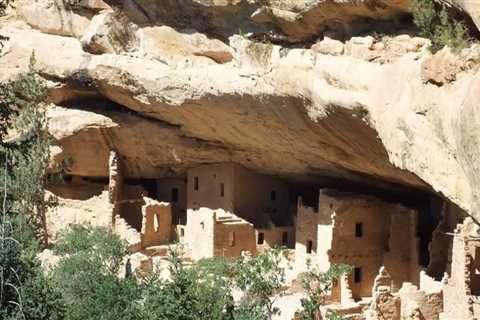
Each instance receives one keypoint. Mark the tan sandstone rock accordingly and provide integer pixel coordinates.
(109, 32)
(329, 46)
(54, 16)
(324, 115)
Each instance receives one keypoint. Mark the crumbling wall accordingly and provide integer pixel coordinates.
(459, 302)
(232, 236)
(365, 252)
(419, 304)
(115, 182)
(199, 232)
(275, 238)
(128, 233)
(167, 188)
(402, 256)
(129, 204)
(440, 248)
(305, 236)
(95, 210)
(156, 223)
(385, 304)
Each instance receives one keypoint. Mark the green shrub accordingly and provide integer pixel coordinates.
(260, 278)
(26, 293)
(435, 24)
(201, 291)
(317, 285)
(87, 276)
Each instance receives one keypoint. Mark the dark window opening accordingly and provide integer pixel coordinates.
(222, 190)
(357, 275)
(68, 179)
(273, 195)
(174, 195)
(285, 238)
(195, 183)
(231, 239)
(359, 230)
(182, 232)
(261, 238)
(309, 246)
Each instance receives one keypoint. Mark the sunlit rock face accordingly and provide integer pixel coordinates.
(276, 86)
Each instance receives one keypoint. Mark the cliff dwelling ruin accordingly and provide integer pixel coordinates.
(409, 257)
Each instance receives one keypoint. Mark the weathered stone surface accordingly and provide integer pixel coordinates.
(329, 46)
(110, 32)
(443, 66)
(172, 47)
(324, 115)
(290, 20)
(53, 16)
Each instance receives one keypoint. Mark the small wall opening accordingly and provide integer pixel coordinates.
(359, 230)
(174, 195)
(156, 224)
(261, 238)
(285, 238)
(273, 195)
(231, 238)
(475, 273)
(357, 275)
(222, 190)
(309, 246)
(195, 183)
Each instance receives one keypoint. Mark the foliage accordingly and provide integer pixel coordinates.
(317, 284)
(204, 290)
(260, 278)
(27, 152)
(201, 291)
(87, 276)
(25, 292)
(436, 25)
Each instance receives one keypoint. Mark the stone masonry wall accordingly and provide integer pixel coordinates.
(232, 238)
(305, 231)
(156, 223)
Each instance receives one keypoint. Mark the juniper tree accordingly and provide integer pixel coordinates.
(25, 293)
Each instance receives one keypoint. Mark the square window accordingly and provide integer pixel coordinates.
(359, 230)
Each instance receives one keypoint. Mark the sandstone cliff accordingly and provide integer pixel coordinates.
(183, 83)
